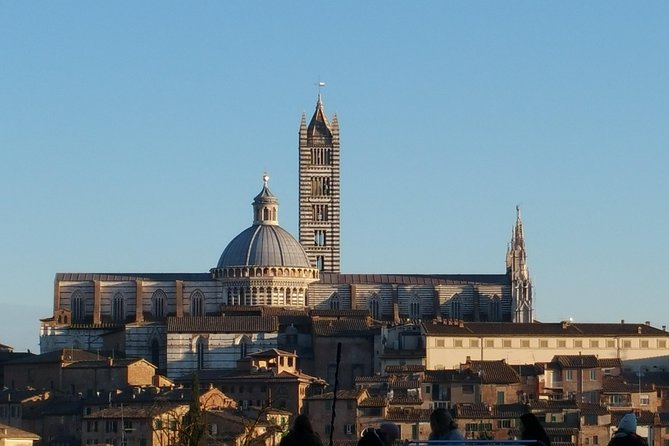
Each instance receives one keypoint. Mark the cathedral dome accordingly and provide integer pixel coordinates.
(265, 243)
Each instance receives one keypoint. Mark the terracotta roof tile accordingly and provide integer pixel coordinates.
(336, 314)
(553, 404)
(508, 410)
(575, 361)
(592, 409)
(413, 279)
(539, 329)
(343, 328)
(404, 384)
(125, 277)
(408, 368)
(222, 324)
(495, 372)
(374, 401)
(346, 394)
(609, 362)
(405, 401)
(478, 410)
(439, 376)
(411, 415)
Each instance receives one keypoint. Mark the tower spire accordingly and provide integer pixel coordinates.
(516, 268)
(319, 188)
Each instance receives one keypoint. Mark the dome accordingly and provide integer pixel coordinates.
(264, 245)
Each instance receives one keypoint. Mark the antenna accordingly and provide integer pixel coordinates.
(320, 84)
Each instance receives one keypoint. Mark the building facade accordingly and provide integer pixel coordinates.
(265, 266)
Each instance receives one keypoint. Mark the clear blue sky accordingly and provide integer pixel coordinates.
(133, 136)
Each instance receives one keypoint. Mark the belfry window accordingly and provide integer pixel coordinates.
(320, 263)
(456, 308)
(77, 306)
(414, 307)
(374, 306)
(319, 237)
(495, 309)
(158, 302)
(320, 186)
(320, 212)
(334, 302)
(197, 303)
(118, 308)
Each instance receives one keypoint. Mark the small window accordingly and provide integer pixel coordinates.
(457, 343)
(468, 388)
(474, 343)
(610, 343)
(506, 343)
(569, 375)
(490, 343)
(440, 343)
(594, 343)
(543, 343)
(627, 344)
(578, 344)
(644, 343)
(525, 343)
(562, 343)
(593, 375)
(661, 343)
(644, 400)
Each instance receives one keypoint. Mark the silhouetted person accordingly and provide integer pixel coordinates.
(385, 435)
(443, 426)
(531, 429)
(626, 434)
(302, 434)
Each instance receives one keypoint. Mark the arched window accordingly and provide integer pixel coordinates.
(77, 308)
(200, 349)
(374, 306)
(456, 307)
(334, 301)
(495, 309)
(158, 304)
(414, 307)
(244, 343)
(197, 303)
(118, 308)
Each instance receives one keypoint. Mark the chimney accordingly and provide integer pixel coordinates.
(648, 323)
(622, 321)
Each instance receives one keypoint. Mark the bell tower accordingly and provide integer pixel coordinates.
(319, 189)
(516, 268)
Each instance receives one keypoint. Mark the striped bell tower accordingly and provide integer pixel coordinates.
(319, 189)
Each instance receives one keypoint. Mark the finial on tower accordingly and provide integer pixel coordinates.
(265, 179)
(320, 85)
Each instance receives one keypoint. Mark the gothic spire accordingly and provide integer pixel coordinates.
(319, 130)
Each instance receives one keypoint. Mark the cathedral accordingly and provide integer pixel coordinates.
(181, 321)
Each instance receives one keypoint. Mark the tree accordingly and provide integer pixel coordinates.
(193, 426)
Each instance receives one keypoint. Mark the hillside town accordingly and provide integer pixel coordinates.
(275, 330)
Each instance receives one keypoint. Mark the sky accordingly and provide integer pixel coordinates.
(134, 135)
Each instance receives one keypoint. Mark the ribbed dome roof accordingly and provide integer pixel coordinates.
(264, 245)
